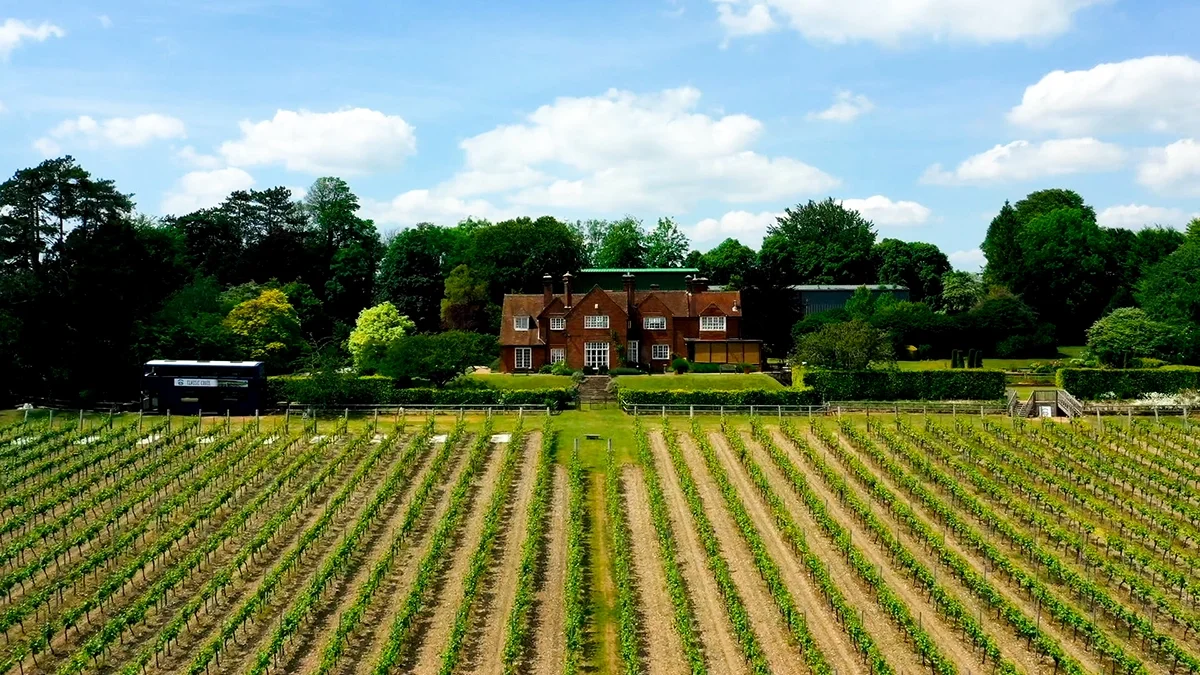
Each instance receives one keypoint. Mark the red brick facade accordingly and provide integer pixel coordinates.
(534, 327)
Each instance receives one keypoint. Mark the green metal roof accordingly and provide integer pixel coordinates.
(634, 270)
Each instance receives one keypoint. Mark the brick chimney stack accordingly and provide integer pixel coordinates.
(700, 284)
(547, 290)
(628, 282)
(690, 283)
(567, 289)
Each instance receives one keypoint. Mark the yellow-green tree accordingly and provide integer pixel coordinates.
(376, 329)
(268, 328)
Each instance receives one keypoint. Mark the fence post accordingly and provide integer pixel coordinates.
(980, 412)
(140, 413)
(752, 411)
(257, 422)
(635, 413)
(375, 422)
(1156, 415)
(26, 420)
(81, 418)
(168, 419)
(52, 418)
(722, 411)
(664, 412)
(287, 418)
(346, 416)
(779, 412)
(691, 412)
(228, 419)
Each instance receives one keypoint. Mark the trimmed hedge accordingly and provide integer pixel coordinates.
(731, 398)
(1093, 383)
(325, 390)
(906, 385)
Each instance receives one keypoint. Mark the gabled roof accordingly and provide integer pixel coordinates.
(679, 304)
(520, 305)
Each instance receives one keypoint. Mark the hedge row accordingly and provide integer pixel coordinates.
(730, 398)
(383, 391)
(1094, 383)
(906, 385)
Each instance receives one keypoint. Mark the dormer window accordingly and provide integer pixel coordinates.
(712, 323)
(521, 322)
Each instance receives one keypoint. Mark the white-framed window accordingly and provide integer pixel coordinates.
(632, 351)
(595, 321)
(524, 358)
(557, 355)
(660, 352)
(521, 323)
(713, 323)
(558, 323)
(595, 354)
(655, 323)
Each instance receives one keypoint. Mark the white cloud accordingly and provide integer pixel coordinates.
(895, 21)
(968, 261)
(1154, 93)
(121, 132)
(298, 193)
(846, 107)
(748, 228)
(1139, 216)
(1022, 160)
(189, 156)
(14, 31)
(346, 142)
(202, 189)
(883, 211)
(740, 17)
(1174, 169)
(623, 152)
(426, 206)
(105, 21)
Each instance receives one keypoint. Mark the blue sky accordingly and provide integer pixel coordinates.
(924, 114)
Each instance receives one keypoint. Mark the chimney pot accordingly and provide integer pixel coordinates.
(567, 289)
(547, 290)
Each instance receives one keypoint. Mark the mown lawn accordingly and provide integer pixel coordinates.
(708, 381)
(994, 364)
(514, 381)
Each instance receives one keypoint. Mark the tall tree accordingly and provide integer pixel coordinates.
(1041, 202)
(465, 305)
(1066, 277)
(819, 242)
(1170, 290)
(915, 265)
(514, 255)
(1002, 248)
(728, 263)
(412, 275)
(960, 292)
(666, 245)
(624, 245)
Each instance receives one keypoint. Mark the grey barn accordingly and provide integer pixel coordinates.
(817, 298)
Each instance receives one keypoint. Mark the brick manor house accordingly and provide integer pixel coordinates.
(603, 328)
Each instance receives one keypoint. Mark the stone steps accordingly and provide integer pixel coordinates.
(594, 389)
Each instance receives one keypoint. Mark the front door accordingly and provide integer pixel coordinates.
(595, 354)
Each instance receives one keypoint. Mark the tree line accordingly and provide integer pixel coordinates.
(90, 287)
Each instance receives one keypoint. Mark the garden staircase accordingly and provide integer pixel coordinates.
(594, 389)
